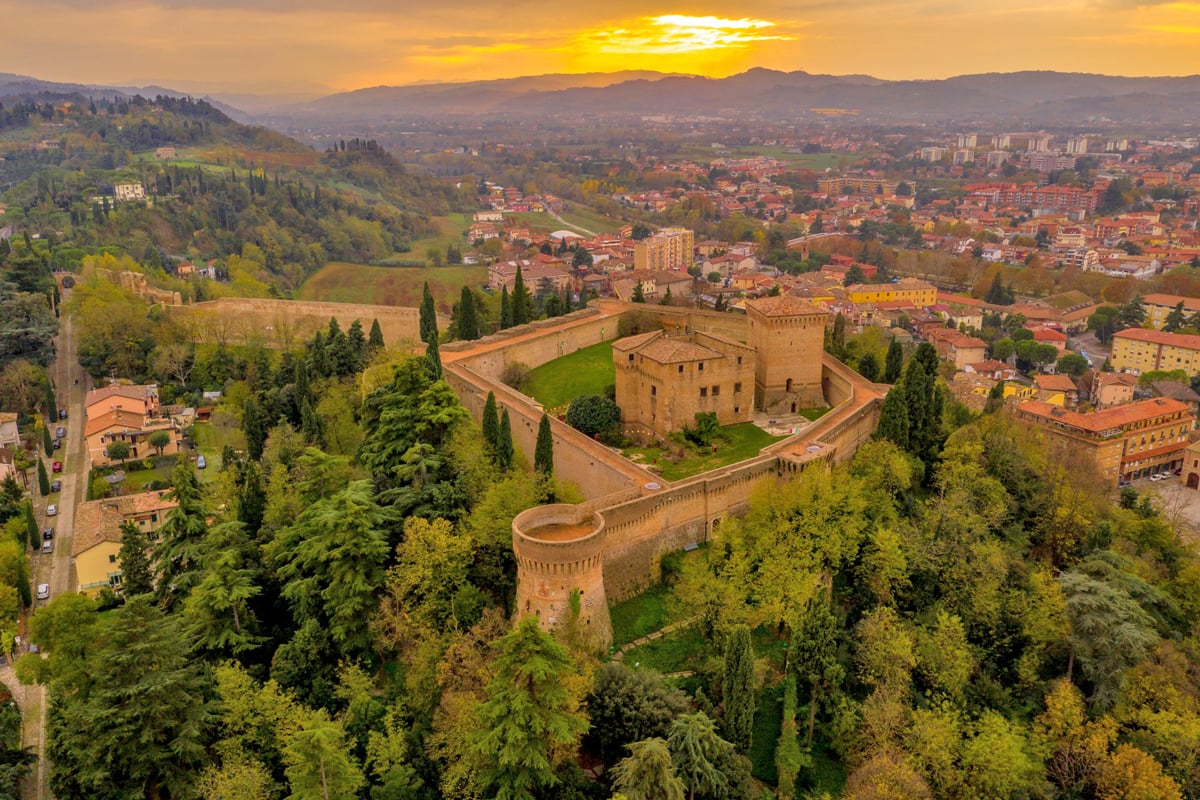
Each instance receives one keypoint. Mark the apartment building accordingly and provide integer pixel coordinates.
(1124, 442)
(1158, 306)
(669, 248)
(917, 292)
(1140, 350)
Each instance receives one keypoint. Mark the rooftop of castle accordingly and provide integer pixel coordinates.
(782, 306)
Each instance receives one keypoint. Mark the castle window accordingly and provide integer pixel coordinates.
(704, 391)
(737, 388)
(739, 361)
(681, 369)
(631, 358)
(653, 390)
(700, 366)
(737, 409)
(716, 391)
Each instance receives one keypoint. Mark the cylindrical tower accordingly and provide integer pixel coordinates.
(558, 550)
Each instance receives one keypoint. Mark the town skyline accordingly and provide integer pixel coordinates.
(314, 47)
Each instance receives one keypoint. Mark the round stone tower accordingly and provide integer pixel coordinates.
(558, 551)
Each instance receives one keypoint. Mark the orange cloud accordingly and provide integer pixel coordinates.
(679, 33)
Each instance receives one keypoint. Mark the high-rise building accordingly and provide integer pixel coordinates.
(1077, 145)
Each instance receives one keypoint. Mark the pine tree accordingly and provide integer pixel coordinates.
(506, 318)
(504, 443)
(136, 577)
(428, 314)
(1175, 319)
(529, 719)
(43, 478)
(47, 441)
(375, 338)
(814, 654)
(868, 367)
(358, 347)
(666, 298)
(737, 688)
(895, 362)
(543, 452)
(837, 337)
(468, 317)
(893, 418)
(520, 300)
(647, 773)
(696, 750)
(639, 293)
(433, 358)
(491, 422)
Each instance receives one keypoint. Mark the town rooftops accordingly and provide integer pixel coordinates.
(130, 420)
(118, 390)
(1109, 418)
(1056, 383)
(784, 305)
(99, 521)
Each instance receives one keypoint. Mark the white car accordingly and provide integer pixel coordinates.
(43, 591)
(51, 510)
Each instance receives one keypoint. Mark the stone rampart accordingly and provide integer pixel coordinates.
(288, 323)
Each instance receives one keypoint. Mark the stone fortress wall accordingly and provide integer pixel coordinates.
(610, 546)
(285, 323)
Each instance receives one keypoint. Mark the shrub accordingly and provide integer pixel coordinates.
(516, 375)
(705, 430)
(593, 415)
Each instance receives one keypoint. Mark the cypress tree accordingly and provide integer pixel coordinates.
(504, 443)
(506, 318)
(358, 346)
(51, 401)
(43, 478)
(47, 441)
(543, 452)
(737, 688)
(468, 318)
(310, 423)
(31, 528)
(135, 561)
(375, 338)
(868, 367)
(520, 300)
(639, 293)
(491, 422)
(428, 318)
(893, 418)
(894, 364)
(433, 358)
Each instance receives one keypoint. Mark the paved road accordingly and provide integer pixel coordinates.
(55, 568)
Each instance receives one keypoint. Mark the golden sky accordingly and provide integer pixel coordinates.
(318, 46)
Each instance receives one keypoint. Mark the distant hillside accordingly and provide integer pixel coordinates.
(25, 86)
(1039, 96)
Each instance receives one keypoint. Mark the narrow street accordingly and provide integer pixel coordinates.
(54, 568)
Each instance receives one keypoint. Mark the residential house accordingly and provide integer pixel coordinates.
(1057, 390)
(958, 347)
(96, 544)
(1177, 391)
(9, 435)
(139, 399)
(7, 466)
(1112, 389)
(130, 427)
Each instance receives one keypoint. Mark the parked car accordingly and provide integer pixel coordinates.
(47, 533)
(57, 444)
(62, 413)
(51, 510)
(48, 547)
(56, 466)
(56, 486)
(200, 462)
(1156, 477)
(61, 431)
(43, 591)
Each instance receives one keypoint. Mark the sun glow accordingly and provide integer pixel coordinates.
(678, 33)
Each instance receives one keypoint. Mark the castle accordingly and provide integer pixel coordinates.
(609, 546)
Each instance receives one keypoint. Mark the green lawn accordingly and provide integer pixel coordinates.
(741, 441)
(676, 652)
(640, 615)
(137, 480)
(211, 440)
(588, 371)
(342, 282)
(589, 218)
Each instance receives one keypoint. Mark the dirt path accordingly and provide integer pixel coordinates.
(650, 637)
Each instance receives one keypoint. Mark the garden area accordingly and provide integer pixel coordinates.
(587, 371)
(678, 458)
(141, 475)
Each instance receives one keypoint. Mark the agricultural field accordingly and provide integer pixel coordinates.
(340, 282)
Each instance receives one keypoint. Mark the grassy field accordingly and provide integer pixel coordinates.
(590, 219)
(137, 480)
(741, 441)
(340, 282)
(452, 229)
(676, 652)
(586, 371)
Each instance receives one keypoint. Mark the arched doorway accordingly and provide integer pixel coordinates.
(1193, 481)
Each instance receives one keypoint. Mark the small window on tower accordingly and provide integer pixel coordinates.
(704, 391)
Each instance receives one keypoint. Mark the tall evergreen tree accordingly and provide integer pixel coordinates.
(428, 314)
(894, 365)
(696, 751)
(506, 316)
(136, 576)
(43, 478)
(217, 612)
(255, 425)
(837, 337)
(639, 293)
(358, 347)
(375, 338)
(31, 526)
(504, 443)
(520, 300)
(529, 717)
(1176, 319)
(181, 537)
(543, 452)
(893, 418)
(647, 773)
(433, 359)
(924, 403)
(468, 317)
(47, 441)
(814, 654)
(868, 366)
(737, 688)
(491, 422)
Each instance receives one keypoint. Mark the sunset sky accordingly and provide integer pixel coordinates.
(319, 46)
